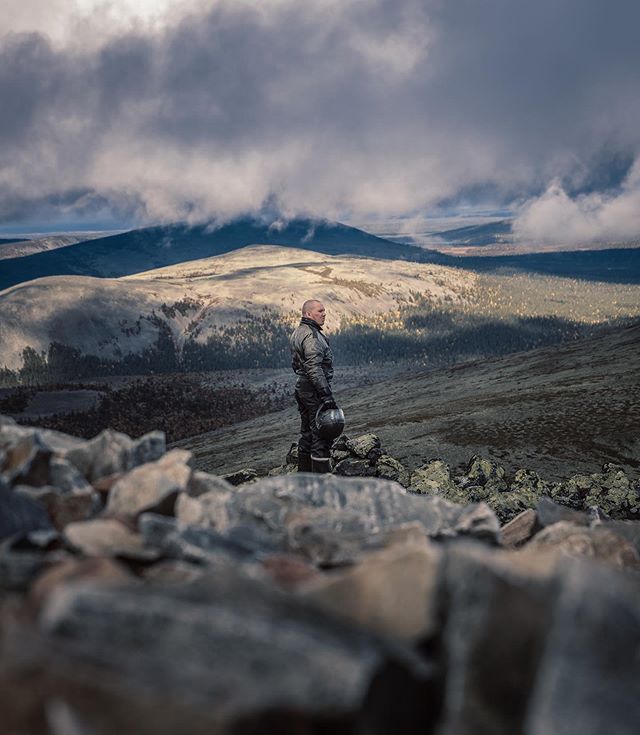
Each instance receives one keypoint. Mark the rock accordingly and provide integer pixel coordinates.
(284, 469)
(174, 572)
(107, 537)
(481, 471)
(519, 529)
(292, 455)
(588, 675)
(20, 514)
(113, 452)
(235, 646)
(208, 510)
(374, 455)
(151, 487)
(338, 455)
(341, 444)
(629, 530)
(155, 528)
(507, 505)
(550, 512)
(497, 611)
(96, 570)
(202, 482)
(62, 508)
(389, 468)
(528, 481)
(288, 571)
(270, 504)
(432, 478)
(362, 445)
(611, 490)
(64, 476)
(25, 460)
(391, 591)
(241, 476)
(572, 540)
(355, 468)
(20, 562)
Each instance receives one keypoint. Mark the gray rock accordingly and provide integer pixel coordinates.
(355, 468)
(67, 478)
(151, 487)
(550, 512)
(112, 452)
(25, 459)
(271, 503)
(530, 482)
(292, 455)
(389, 468)
(337, 455)
(481, 470)
(154, 529)
(62, 508)
(498, 609)
(245, 651)
(588, 676)
(362, 445)
(611, 490)
(20, 514)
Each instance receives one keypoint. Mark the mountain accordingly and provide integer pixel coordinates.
(478, 235)
(21, 248)
(154, 247)
(559, 410)
(193, 301)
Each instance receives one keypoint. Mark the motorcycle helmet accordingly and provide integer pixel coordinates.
(330, 422)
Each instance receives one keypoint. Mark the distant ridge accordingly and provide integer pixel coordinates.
(155, 247)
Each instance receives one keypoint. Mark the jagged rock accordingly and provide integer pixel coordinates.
(587, 678)
(362, 445)
(62, 508)
(528, 481)
(151, 487)
(208, 510)
(519, 529)
(56, 441)
(481, 471)
(202, 482)
(355, 468)
(432, 478)
(111, 452)
(25, 460)
(498, 609)
(507, 505)
(289, 571)
(391, 591)
(155, 528)
(337, 455)
(629, 530)
(241, 476)
(65, 476)
(389, 468)
(19, 514)
(96, 570)
(611, 490)
(598, 543)
(550, 512)
(253, 653)
(292, 455)
(375, 455)
(107, 537)
(268, 504)
(22, 558)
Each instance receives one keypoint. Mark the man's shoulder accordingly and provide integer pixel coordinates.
(302, 331)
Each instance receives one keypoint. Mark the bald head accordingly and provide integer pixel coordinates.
(314, 309)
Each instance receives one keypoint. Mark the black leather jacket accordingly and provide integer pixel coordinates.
(311, 356)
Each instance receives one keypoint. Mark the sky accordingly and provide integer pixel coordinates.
(341, 109)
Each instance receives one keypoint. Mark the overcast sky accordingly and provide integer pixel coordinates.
(346, 109)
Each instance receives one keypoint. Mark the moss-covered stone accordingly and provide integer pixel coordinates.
(611, 490)
(433, 478)
(363, 444)
(390, 469)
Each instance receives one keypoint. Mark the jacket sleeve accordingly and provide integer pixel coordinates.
(312, 355)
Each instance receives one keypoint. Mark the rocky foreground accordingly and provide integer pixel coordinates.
(140, 595)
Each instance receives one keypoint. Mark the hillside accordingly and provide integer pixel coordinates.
(24, 247)
(555, 410)
(191, 302)
(155, 247)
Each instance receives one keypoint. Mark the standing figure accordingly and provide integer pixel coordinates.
(312, 362)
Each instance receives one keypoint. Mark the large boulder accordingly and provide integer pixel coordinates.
(388, 468)
(432, 478)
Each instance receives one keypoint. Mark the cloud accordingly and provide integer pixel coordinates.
(336, 108)
(595, 217)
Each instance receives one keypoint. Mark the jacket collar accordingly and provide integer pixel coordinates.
(313, 324)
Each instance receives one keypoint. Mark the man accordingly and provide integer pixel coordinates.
(312, 361)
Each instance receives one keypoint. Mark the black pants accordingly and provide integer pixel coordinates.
(313, 451)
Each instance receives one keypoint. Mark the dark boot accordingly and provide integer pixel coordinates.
(304, 463)
(321, 464)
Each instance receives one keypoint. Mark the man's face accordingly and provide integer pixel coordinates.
(318, 313)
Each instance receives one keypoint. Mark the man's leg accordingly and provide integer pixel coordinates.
(318, 449)
(304, 442)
